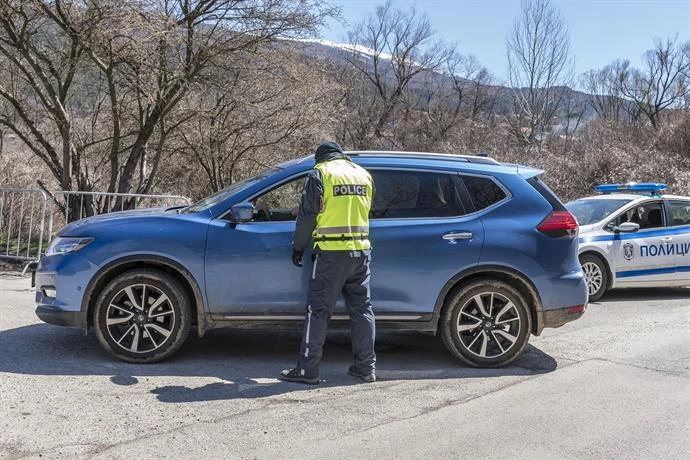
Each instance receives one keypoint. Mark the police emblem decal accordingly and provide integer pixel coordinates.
(628, 251)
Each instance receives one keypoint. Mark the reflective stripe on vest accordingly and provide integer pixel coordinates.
(343, 224)
(341, 230)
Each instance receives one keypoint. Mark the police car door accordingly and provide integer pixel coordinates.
(643, 258)
(679, 231)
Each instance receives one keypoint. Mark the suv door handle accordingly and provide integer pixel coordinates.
(667, 239)
(454, 236)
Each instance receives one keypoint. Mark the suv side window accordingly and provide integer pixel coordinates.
(407, 194)
(279, 204)
(483, 191)
(680, 212)
(647, 215)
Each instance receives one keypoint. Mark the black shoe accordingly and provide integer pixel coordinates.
(368, 378)
(293, 375)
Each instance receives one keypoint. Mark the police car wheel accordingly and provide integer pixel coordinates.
(486, 323)
(142, 316)
(596, 275)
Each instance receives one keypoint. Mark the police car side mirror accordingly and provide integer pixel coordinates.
(242, 212)
(627, 227)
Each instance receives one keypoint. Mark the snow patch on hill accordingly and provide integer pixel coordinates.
(360, 49)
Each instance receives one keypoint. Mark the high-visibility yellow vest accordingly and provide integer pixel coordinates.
(343, 223)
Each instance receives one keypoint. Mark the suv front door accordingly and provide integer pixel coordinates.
(249, 272)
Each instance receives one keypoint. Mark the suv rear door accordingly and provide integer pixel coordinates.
(422, 235)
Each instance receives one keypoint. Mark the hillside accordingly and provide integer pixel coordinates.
(338, 54)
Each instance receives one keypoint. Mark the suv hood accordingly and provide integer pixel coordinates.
(77, 228)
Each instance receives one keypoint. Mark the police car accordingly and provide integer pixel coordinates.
(633, 236)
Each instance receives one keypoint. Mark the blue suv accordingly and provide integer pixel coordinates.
(480, 252)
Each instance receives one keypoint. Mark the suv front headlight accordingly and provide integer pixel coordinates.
(63, 245)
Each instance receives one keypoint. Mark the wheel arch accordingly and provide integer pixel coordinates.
(599, 254)
(513, 277)
(119, 266)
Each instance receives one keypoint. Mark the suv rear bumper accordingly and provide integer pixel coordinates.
(560, 316)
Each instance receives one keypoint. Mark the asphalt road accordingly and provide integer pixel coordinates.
(614, 384)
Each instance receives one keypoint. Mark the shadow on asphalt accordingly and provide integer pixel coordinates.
(246, 362)
(645, 294)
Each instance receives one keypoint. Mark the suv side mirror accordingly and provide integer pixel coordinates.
(242, 212)
(627, 227)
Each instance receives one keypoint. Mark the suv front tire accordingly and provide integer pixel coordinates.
(142, 316)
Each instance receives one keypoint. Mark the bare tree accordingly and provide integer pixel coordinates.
(42, 63)
(571, 113)
(459, 94)
(605, 91)
(663, 82)
(539, 65)
(252, 115)
(361, 108)
(92, 87)
(391, 48)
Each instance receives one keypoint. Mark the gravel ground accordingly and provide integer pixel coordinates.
(614, 384)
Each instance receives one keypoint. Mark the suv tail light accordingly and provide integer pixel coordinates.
(559, 223)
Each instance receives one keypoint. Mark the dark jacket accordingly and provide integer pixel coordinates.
(312, 196)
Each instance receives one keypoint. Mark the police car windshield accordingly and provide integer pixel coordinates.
(589, 211)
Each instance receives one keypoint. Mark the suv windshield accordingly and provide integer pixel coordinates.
(228, 191)
(589, 211)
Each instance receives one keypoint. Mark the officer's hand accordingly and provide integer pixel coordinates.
(297, 257)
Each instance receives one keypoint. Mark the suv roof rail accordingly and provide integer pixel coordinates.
(441, 156)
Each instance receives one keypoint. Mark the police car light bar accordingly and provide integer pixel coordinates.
(653, 188)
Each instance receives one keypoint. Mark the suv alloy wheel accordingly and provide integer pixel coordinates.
(142, 316)
(486, 323)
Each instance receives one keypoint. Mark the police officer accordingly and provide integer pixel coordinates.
(334, 212)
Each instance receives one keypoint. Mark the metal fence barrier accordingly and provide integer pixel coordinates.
(28, 217)
(23, 216)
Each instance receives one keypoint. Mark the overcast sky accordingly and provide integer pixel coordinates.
(600, 30)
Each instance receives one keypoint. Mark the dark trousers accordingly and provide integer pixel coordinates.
(335, 272)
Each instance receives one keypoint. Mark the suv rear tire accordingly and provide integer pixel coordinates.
(486, 323)
(142, 316)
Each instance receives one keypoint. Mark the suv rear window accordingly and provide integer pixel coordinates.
(483, 191)
(405, 194)
(544, 190)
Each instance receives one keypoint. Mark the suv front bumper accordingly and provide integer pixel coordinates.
(55, 315)
(60, 282)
